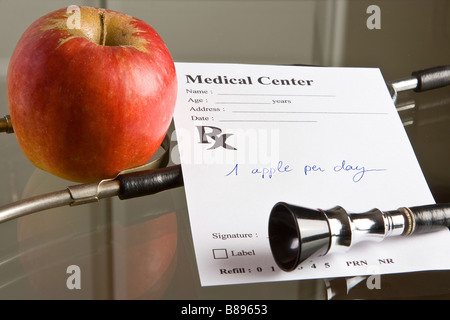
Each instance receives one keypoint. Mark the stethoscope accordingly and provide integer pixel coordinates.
(295, 233)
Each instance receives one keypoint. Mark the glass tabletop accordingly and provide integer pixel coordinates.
(142, 248)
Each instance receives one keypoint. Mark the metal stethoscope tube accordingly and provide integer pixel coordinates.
(148, 179)
(298, 233)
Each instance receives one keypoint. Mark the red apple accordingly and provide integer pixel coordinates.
(90, 100)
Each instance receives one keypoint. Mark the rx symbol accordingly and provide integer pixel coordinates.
(208, 133)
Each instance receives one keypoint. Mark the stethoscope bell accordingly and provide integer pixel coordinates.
(297, 233)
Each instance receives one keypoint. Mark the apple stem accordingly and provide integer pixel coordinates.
(102, 28)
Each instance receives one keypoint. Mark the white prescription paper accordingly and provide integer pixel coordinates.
(250, 136)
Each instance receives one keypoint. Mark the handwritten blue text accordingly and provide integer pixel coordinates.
(264, 172)
(268, 172)
(358, 171)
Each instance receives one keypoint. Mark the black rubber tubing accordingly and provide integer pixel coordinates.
(143, 183)
(432, 78)
(431, 217)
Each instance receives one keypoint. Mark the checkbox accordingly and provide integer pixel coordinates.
(220, 253)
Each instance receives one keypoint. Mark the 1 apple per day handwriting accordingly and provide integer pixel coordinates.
(356, 171)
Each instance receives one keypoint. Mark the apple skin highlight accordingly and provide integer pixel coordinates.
(88, 103)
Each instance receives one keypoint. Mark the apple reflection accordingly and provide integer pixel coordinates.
(124, 251)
